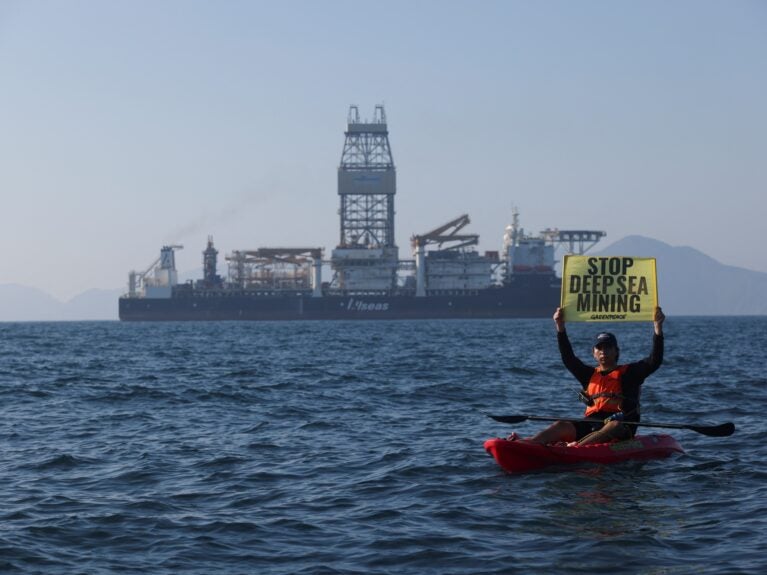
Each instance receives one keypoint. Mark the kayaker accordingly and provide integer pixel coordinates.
(611, 391)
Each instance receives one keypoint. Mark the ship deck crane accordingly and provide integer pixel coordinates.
(447, 233)
(584, 239)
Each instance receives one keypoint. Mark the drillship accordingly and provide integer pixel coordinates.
(447, 277)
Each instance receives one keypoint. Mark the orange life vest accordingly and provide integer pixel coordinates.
(606, 391)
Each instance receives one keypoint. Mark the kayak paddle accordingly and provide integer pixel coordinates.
(722, 430)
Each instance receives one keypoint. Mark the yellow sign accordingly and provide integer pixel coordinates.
(609, 288)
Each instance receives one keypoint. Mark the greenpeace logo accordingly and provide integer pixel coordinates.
(359, 305)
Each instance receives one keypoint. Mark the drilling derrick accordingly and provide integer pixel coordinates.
(366, 257)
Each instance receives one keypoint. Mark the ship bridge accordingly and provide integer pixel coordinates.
(526, 254)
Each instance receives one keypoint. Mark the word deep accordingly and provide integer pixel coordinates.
(608, 288)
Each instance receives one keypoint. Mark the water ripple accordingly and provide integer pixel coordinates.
(347, 448)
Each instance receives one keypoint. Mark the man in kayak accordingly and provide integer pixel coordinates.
(611, 391)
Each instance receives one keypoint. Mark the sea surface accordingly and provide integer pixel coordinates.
(356, 447)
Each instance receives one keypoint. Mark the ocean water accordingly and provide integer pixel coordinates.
(356, 447)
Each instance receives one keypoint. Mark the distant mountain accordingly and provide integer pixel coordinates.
(23, 303)
(94, 304)
(692, 283)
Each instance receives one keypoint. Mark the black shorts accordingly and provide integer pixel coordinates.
(583, 428)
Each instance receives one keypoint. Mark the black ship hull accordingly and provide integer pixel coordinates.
(533, 296)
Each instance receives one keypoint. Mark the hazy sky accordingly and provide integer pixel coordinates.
(128, 125)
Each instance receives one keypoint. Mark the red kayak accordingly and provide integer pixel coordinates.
(519, 456)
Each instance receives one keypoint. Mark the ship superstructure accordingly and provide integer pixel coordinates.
(159, 279)
(446, 278)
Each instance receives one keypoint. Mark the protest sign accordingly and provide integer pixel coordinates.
(609, 288)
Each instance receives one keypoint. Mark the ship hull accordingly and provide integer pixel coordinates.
(533, 297)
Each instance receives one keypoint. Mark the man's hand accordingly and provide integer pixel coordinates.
(559, 319)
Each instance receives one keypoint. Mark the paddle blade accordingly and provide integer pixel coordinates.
(510, 418)
(723, 430)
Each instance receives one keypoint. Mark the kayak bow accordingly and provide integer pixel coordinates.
(519, 456)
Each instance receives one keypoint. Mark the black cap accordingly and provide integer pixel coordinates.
(606, 337)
